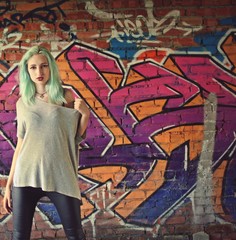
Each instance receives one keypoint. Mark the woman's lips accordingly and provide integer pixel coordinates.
(40, 78)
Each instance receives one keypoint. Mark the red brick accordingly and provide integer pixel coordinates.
(176, 220)
(60, 233)
(9, 224)
(40, 225)
(23, 7)
(216, 2)
(10, 107)
(36, 234)
(5, 236)
(49, 233)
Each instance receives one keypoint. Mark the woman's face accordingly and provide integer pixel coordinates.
(38, 69)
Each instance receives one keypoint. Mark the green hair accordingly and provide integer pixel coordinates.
(54, 85)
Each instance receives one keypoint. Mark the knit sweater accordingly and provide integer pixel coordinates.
(48, 158)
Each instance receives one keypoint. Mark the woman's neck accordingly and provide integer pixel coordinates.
(40, 89)
(41, 93)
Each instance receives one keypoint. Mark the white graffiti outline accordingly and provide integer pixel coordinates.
(124, 27)
(6, 43)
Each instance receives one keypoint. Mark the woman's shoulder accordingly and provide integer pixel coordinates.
(69, 97)
(20, 106)
(19, 101)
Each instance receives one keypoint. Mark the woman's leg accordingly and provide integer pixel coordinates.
(24, 203)
(69, 211)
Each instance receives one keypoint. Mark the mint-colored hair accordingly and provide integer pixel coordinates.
(27, 86)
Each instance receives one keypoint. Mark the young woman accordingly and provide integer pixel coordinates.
(50, 125)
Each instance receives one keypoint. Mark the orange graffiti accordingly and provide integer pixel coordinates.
(147, 108)
(172, 138)
(103, 174)
(218, 178)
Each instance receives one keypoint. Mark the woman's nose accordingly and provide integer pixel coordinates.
(39, 71)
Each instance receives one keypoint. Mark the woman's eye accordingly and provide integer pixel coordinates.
(45, 66)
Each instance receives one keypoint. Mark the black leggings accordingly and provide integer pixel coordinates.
(24, 202)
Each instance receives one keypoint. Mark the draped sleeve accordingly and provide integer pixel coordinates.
(20, 119)
(79, 138)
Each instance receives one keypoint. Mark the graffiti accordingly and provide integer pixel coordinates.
(145, 148)
(56, 43)
(12, 36)
(140, 32)
(146, 154)
(45, 14)
(143, 155)
(4, 9)
(144, 28)
(9, 40)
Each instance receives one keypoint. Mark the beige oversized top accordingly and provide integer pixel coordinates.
(49, 155)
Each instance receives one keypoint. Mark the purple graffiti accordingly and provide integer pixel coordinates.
(8, 121)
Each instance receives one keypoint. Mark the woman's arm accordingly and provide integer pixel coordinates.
(7, 196)
(81, 106)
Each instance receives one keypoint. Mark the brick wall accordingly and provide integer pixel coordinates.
(159, 77)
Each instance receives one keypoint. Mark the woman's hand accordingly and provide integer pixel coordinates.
(81, 106)
(7, 201)
(7, 196)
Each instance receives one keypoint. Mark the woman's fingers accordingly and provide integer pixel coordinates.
(81, 106)
(7, 203)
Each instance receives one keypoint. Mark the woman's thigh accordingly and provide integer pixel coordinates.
(69, 211)
(24, 203)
